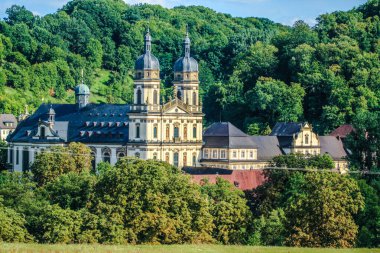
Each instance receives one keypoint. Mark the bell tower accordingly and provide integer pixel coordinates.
(147, 77)
(186, 82)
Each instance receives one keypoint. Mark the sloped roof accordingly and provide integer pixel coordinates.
(333, 146)
(223, 129)
(7, 118)
(268, 147)
(95, 123)
(286, 128)
(226, 135)
(242, 179)
(342, 131)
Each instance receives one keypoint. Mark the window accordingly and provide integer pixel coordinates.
(167, 132)
(167, 157)
(306, 139)
(176, 132)
(155, 97)
(185, 132)
(223, 154)
(243, 167)
(120, 155)
(215, 154)
(205, 153)
(251, 154)
(138, 97)
(42, 132)
(154, 156)
(242, 154)
(25, 160)
(185, 159)
(175, 159)
(155, 132)
(137, 155)
(11, 155)
(106, 157)
(17, 156)
(234, 154)
(194, 131)
(137, 130)
(194, 160)
(194, 98)
(179, 94)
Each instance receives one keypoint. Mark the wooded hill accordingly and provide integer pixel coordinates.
(253, 71)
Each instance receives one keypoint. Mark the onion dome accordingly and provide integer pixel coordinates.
(147, 61)
(186, 63)
(82, 89)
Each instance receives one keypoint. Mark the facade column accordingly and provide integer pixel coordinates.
(9, 154)
(113, 156)
(98, 156)
(31, 155)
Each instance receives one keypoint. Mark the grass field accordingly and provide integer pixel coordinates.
(59, 248)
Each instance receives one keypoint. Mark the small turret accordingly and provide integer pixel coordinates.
(82, 94)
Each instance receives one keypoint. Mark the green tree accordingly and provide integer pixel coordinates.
(230, 211)
(56, 161)
(275, 101)
(12, 226)
(150, 202)
(320, 211)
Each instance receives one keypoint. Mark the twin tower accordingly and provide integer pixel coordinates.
(147, 77)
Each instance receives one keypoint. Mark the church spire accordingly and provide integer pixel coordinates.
(148, 41)
(186, 42)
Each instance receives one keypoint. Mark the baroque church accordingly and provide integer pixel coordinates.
(171, 132)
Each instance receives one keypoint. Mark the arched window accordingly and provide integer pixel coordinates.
(194, 98)
(185, 159)
(137, 155)
(194, 159)
(176, 132)
(155, 132)
(167, 157)
(306, 139)
(137, 130)
(155, 97)
(106, 157)
(179, 94)
(42, 132)
(185, 132)
(194, 131)
(138, 97)
(167, 132)
(154, 156)
(175, 159)
(120, 155)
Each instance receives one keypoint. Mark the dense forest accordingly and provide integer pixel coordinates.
(151, 202)
(253, 72)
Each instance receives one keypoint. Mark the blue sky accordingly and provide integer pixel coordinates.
(282, 11)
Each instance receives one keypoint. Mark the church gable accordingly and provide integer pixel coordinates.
(176, 106)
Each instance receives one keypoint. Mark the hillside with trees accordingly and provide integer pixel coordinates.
(253, 72)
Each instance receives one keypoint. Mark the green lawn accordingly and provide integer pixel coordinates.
(59, 248)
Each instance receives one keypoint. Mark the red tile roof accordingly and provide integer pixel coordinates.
(342, 131)
(243, 179)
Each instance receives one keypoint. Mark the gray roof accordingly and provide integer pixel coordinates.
(82, 89)
(223, 129)
(333, 146)
(7, 118)
(147, 61)
(226, 135)
(268, 147)
(95, 123)
(286, 128)
(186, 64)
